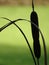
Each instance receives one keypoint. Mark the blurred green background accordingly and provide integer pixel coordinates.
(13, 47)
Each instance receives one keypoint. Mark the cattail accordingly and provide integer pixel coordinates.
(35, 33)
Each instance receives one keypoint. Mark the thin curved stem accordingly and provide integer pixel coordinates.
(33, 5)
(26, 41)
(45, 54)
(37, 61)
(6, 18)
